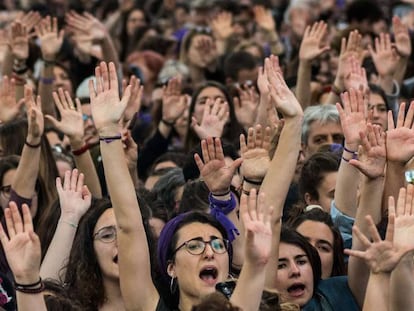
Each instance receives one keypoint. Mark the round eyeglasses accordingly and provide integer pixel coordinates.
(106, 234)
(197, 246)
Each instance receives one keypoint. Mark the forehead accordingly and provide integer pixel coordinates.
(376, 99)
(106, 219)
(211, 92)
(328, 128)
(197, 230)
(290, 251)
(315, 230)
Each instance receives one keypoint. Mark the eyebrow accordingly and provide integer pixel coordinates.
(296, 257)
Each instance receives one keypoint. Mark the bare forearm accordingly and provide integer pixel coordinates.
(303, 89)
(394, 180)
(401, 69)
(402, 285)
(370, 204)
(377, 294)
(46, 90)
(59, 250)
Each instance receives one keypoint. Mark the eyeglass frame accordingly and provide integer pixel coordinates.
(113, 231)
(185, 245)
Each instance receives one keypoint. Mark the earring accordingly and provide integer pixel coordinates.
(173, 285)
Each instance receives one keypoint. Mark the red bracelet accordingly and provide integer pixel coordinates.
(81, 150)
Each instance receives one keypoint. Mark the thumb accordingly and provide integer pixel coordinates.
(53, 120)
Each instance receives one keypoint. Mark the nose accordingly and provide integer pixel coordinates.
(294, 270)
(330, 140)
(208, 251)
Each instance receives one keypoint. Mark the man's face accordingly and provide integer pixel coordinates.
(322, 134)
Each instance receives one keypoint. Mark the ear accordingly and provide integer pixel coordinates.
(309, 200)
(171, 269)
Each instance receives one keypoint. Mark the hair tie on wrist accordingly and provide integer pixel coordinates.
(221, 194)
(46, 81)
(350, 151)
(109, 139)
(75, 226)
(81, 150)
(33, 146)
(29, 285)
(35, 288)
(253, 182)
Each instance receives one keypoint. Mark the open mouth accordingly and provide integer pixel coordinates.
(209, 275)
(115, 259)
(296, 290)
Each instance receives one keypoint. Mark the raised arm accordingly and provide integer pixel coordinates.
(282, 167)
(402, 275)
(404, 47)
(217, 177)
(137, 287)
(245, 106)
(214, 118)
(22, 248)
(51, 40)
(9, 107)
(71, 124)
(75, 200)
(257, 219)
(353, 122)
(27, 171)
(371, 162)
(311, 48)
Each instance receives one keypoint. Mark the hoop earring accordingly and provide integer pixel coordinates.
(173, 285)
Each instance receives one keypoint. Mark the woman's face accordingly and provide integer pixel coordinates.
(6, 187)
(197, 275)
(294, 275)
(377, 109)
(61, 79)
(135, 20)
(211, 93)
(195, 54)
(321, 237)
(106, 252)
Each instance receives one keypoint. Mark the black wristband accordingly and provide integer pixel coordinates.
(221, 194)
(109, 139)
(33, 146)
(28, 285)
(253, 182)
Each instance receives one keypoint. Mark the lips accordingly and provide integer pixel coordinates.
(209, 275)
(296, 290)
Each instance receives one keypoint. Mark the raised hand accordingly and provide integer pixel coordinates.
(264, 18)
(404, 220)
(107, 107)
(353, 117)
(213, 169)
(349, 48)
(19, 41)
(30, 19)
(402, 37)
(283, 98)
(134, 103)
(400, 138)
(74, 197)
(214, 118)
(9, 107)
(86, 25)
(34, 116)
(257, 222)
(255, 153)
(71, 122)
(173, 103)
(206, 47)
(357, 77)
(372, 155)
(385, 57)
(246, 106)
(222, 26)
(130, 148)
(311, 46)
(21, 245)
(50, 38)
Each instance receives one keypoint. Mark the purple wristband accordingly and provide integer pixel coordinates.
(219, 209)
(109, 139)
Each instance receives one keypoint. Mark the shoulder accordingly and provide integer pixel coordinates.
(336, 292)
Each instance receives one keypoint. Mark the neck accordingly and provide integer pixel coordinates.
(113, 297)
(197, 74)
(186, 303)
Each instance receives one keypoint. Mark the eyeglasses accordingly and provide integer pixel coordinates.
(197, 246)
(106, 234)
(5, 190)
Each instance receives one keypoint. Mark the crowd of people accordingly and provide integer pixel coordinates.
(206, 155)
